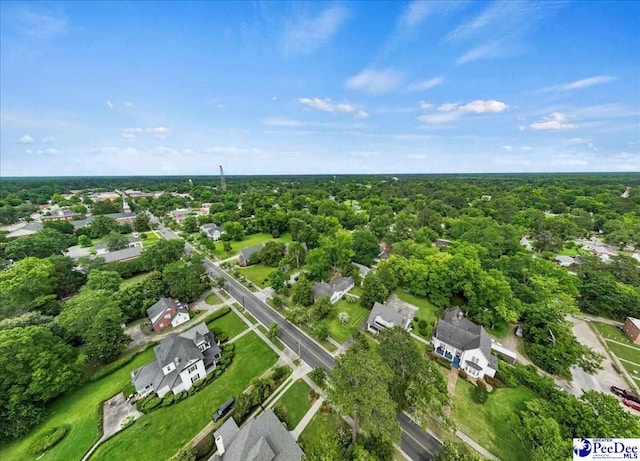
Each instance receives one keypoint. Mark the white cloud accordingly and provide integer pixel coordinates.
(452, 111)
(488, 50)
(41, 152)
(363, 154)
(110, 105)
(48, 140)
(481, 106)
(425, 105)
(375, 81)
(128, 104)
(526, 148)
(232, 151)
(26, 139)
(508, 148)
(578, 84)
(448, 107)
(426, 84)
(326, 105)
(282, 122)
(40, 26)
(554, 121)
(416, 12)
(305, 34)
(157, 132)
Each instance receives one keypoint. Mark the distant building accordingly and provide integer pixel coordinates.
(167, 312)
(60, 215)
(122, 255)
(261, 439)
(213, 231)
(632, 329)
(244, 259)
(441, 243)
(25, 231)
(565, 261)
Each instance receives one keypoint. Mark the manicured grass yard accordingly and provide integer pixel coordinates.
(631, 354)
(212, 299)
(230, 323)
(491, 424)
(257, 273)
(150, 239)
(339, 331)
(295, 402)
(160, 434)
(611, 332)
(426, 310)
(248, 241)
(321, 424)
(135, 279)
(79, 410)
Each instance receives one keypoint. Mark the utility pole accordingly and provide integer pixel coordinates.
(223, 184)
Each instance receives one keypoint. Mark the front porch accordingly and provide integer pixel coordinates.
(451, 356)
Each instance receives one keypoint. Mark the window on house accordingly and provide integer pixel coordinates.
(167, 316)
(475, 359)
(194, 378)
(192, 368)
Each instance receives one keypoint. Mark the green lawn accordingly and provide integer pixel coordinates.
(257, 274)
(160, 434)
(339, 331)
(357, 290)
(491, 424)
(79, 410)
(611, 332)
(248, 241)
(575, 251)
(631, 354)
(151, 239)
(295, 402)
(135, 279)
(319, 425)
(230, 323)
(213, 299)
(426, 310)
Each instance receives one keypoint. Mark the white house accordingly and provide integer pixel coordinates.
(465, 344)
(335, 289)
(213, 231)
(167, 312)
(181, 360)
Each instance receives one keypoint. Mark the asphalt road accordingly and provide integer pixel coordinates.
(416, 443)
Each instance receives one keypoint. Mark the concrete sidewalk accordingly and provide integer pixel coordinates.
(307, 418)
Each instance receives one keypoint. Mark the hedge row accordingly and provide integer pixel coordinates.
(115, 366)
(49, 439)
(217, 314)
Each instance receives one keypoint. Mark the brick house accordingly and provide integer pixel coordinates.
(167, 313)
(632, 329)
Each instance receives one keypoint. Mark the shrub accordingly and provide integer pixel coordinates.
(128, 421)
(507, 374)
(128, 390)
(481, 383)
(179, 396)
(217, 314)
(230, 355)
(479, 395)
(151, 404)
(277, 301)
(218, 372)
(222, 337)
(229, 347)
(210, 377)
(282, 415)
(198, 383)
(495, 382)
(422, 324)
(462, 374)
(318, 376)
(280, 372)
(313, 395)
(192, 391)
(167, 400)
(49, 439)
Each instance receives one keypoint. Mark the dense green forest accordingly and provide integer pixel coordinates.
(485, 267)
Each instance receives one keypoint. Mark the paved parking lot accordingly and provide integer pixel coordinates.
(606, 377)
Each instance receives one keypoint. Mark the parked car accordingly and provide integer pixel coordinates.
(632, 404)
(224, 409)
(625, 394)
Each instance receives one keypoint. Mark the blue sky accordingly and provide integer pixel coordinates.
(348, 87)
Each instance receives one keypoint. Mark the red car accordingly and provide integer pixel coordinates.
(632, 404)
(625, 394)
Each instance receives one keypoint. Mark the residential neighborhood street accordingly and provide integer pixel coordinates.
(416, 443)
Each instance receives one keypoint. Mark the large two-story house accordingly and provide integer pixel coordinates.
(181, 359)
(335, 289)
(393, 313)
(465, 344)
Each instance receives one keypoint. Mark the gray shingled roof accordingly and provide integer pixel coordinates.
(395, 313)
(159, 307)
(248, 252)
(262, 439)
(328, 289)
(461, 333)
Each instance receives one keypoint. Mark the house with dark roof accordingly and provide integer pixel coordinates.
(261, 439)
(181, 359)
(25, 230)
(213, 231)
(465, 344)
(244, 259)
(122, 255)
(393, 313)
(167, 313)
(335, 289)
